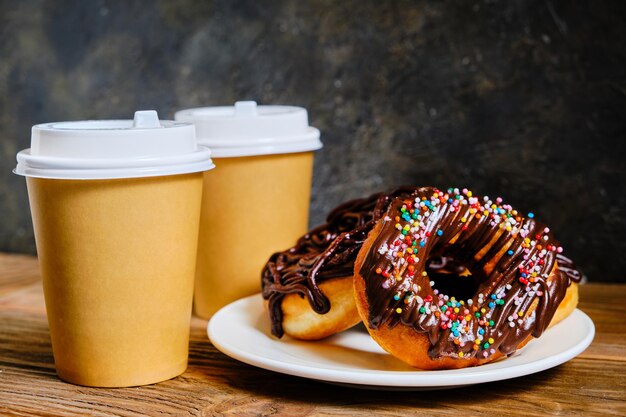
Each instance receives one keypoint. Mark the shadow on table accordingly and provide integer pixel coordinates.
(260, 383)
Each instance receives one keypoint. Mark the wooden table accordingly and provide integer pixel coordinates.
(215, 385)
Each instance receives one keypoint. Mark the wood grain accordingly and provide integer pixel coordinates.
(215, 385)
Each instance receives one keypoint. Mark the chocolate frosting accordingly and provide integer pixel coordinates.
(446, 234)
(326, 252)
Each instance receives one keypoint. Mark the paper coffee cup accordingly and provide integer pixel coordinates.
(116, 207)
(257, 200)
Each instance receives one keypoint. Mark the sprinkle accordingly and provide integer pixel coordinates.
(509, 252)
(398, 310)
(531, 215)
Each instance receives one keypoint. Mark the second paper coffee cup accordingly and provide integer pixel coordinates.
(257, 202)
(116, 209)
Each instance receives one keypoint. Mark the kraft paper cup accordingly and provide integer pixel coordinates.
(117, 254)
(118, 260)
(255, 206)
(257, 200)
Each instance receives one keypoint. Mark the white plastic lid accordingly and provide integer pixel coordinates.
(246, 129)
(106, 149)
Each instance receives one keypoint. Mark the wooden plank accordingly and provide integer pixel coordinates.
(604, 303)
(17, 271)
(215, 385)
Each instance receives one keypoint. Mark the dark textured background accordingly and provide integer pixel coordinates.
(522, 99)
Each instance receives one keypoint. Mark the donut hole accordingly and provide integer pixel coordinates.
(452, 278)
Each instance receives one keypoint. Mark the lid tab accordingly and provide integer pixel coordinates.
(146, 119)
(245, 109)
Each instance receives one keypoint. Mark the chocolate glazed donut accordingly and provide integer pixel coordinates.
(322, 257)
(447, 280)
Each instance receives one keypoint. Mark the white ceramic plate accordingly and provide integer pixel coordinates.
(241, 330)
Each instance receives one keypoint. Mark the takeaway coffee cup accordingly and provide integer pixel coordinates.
(257, 201)
(115, 207)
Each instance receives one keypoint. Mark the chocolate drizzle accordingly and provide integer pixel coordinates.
(449, 232)
(326, 252)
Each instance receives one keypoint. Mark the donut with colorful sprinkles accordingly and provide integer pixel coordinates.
(447, 279)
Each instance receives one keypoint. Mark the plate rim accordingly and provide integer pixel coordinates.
(396, 379)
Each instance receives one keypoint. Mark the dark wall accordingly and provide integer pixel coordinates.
(520, 99)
